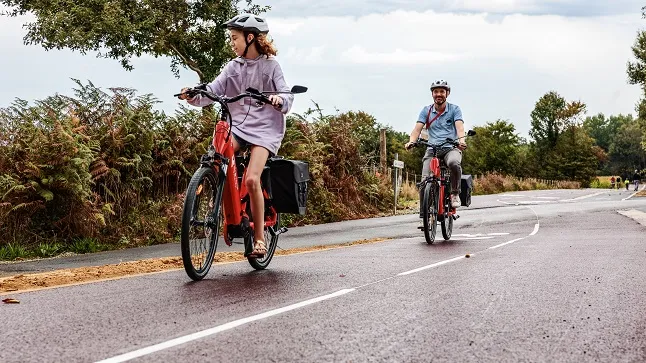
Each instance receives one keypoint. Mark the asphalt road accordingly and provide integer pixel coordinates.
(551, 276)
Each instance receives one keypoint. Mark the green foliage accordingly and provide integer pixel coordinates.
(603, 130)
(49, 249)
(86, 245)
(573, 158)
(495, 148)
(184, 31)
(562, 150)
(12, 251)
(341, 186)
(104, 168)
(492, 183)
(551, 115)
(626, 152)
(637, 69)
(601, 184)
(81, 167)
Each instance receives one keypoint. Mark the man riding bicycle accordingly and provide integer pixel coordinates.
(443, 121)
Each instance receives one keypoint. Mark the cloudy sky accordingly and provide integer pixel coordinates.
(380, 56)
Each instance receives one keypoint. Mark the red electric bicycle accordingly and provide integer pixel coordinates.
(218, 184)
(436, 201)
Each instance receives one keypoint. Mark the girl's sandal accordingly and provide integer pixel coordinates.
(259, 250)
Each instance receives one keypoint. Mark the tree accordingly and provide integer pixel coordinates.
(626, 153)
(183, 30)
(637, 75)
(603, 130)
(494, 148)
(551, 115)
(637, 70)
(575, 157)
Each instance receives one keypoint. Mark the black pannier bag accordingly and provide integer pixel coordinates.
(466, 186)
(289, 185)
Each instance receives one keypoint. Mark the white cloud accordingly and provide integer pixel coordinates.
(284, 27)
(359, 55)
(306, 55)
(577, 8)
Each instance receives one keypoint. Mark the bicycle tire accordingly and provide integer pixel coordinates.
(195, 194)
(262, 263)
(447, 227)
(429, 212)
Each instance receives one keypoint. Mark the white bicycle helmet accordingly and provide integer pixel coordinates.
(249, 23)
(440, 83)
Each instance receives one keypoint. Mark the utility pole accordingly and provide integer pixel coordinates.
(382, 151)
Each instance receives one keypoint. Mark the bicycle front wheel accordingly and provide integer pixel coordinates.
(201, 222)
(429, 211)
(447, 227)
(271, 240)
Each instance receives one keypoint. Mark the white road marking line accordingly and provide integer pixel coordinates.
(536, 227)
(526, 202)
(431, 266)
(548, 197)
(503, 202)
(506, 243)
(220, 328)
(584, 197)
(472, 238)
(638, 216)
(632, 195)
(479, 234)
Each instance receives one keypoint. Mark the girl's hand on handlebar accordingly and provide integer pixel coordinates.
(276, 101)
(183, 95)
(409, 145)
(462, 145)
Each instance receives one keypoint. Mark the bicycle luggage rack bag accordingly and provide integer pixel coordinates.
(289, 185)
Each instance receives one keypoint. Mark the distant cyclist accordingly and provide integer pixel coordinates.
(443, 121)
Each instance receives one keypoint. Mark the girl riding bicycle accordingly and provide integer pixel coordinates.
(258, 128)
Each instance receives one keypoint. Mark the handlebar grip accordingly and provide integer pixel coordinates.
(192, 92)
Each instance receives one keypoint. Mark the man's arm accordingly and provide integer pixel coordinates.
(414, 135)
(419, 125)
(459, 127)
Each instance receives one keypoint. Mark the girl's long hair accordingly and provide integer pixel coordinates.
(265, 45)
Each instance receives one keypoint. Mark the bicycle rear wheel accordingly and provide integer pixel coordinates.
(201, 222)
(429, 211)
(271, 241)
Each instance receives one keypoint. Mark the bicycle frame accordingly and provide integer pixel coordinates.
(436, 175)
(221, 156)
(234, 196)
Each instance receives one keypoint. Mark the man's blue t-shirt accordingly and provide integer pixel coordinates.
(444, 126)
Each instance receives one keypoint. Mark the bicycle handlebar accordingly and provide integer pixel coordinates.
(453, 142)
(421, 142)
(249, 92)
(199, 90)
